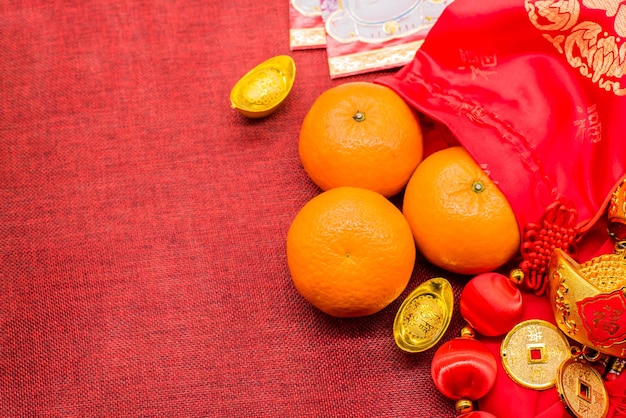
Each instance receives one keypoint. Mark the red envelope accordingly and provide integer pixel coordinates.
(535, 92)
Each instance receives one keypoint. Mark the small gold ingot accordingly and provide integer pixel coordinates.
(261, 90)
(424, 316)
(532, 352)
(582, 389)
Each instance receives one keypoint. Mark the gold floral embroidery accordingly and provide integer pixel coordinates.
(613, 8)
(595, 51)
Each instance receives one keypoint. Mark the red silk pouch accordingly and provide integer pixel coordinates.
(536, 92)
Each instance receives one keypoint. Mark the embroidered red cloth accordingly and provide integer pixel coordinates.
(535, 91)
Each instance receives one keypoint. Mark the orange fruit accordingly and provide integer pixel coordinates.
(360, 134)
(350, 252)
(461, 221)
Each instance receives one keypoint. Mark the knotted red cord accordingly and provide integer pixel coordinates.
(556, 229)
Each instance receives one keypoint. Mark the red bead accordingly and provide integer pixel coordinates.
(463, 368)
(491, 304)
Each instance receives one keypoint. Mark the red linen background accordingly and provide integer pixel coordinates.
(143, 221)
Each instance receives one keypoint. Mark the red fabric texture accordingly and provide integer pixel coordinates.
(143, 224)
(534, 91)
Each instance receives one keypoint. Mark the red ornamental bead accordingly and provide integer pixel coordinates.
(463, 368)
(491, 304)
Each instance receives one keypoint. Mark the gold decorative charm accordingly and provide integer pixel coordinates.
(260, 91)
(424, 316)
(532, 352)
(582, 389)
(588, 299)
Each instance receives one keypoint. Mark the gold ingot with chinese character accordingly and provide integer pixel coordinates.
(424, 316)
(588, 300)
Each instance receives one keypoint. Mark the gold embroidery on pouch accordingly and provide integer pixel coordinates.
(595, 51)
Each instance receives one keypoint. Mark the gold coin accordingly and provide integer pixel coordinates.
(582, 390)
(424, 316)
(532, 353)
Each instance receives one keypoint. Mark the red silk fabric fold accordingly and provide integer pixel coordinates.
(535, 92)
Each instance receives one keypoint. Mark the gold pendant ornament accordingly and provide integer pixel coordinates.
(532, 352)
(582, 389)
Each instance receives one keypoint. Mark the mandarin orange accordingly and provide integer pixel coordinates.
(360, 134)
(461, 221)
(350, 252)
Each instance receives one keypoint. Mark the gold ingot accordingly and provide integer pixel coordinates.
(424, 316)
(588, 300)
(532, 353)
(582, 389)
(261, 90)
